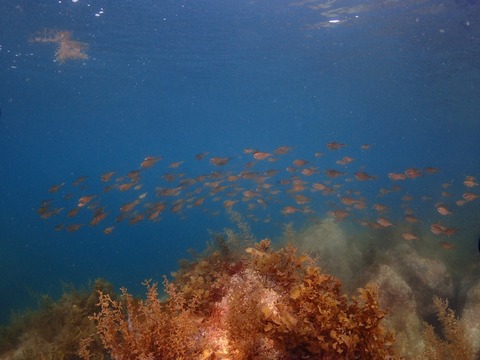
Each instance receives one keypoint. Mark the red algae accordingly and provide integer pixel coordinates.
(255, 303)
(67, 48)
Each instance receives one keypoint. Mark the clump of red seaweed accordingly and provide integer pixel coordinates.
(257, 304)
(68, 49)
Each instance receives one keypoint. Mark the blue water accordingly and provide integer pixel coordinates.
(178, 78)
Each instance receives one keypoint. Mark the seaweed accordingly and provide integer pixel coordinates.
(56, 329)
(237, 300)
(255, 304)
(453, 343)
(146, 329)
(67, 48)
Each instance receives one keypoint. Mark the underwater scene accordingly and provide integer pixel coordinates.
(206, 179)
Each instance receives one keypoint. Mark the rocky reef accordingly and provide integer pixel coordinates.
(243, 299)
(414, 284)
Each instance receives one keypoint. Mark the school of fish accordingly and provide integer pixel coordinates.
(262, 184)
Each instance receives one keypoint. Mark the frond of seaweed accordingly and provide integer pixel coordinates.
(453, 344)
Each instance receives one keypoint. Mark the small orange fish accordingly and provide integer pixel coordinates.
(73, 212)
(79, 180)
(107, 176)
(300, 162)
(335, 145)
(55, 188)
(297, 187)
(262, 202)
(413, 173)
(125, 187)
(309, 171)
(108, 230)
(282, 150)
(271, 172)
(175, 164)
(229, 203)
(431, 170)
(360, 205)
(384, 222)
(348, 201)
(168, 191)
(149, 161)
(363, 176)
(260, 155)
(199, 201)
(409, 237)
(47, 212)
(250, 193)
(450, 231)
(318, 187)
(437, 228)
(74, 227)
(134, 175)
(156, 209)
(411, 219)
(442, 210)
(301, 199)
(339, 214)
(287, 210)
(218, 161)
(129, 206)
(136, 219)
(98, 216)
(396, 176)
(468, 196)
(333, 173)
(201, 155)
(84, 200)
(380, 207)
(470, 183)
(345, 160)
(365, 147)
(446, 245)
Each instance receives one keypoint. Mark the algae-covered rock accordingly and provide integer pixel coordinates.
(336, 254)
(426, 277)
(471, 317)
(395, 294)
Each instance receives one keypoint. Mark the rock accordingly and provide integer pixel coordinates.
(328, 243)
(471, 317)
(426, 277)
(396, 296)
